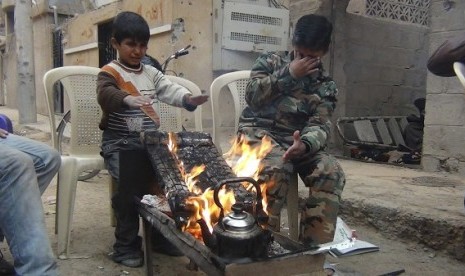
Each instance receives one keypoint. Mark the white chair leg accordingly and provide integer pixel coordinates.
(67, 182)
(292, 201)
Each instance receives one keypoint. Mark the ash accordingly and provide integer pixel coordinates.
(276, 249)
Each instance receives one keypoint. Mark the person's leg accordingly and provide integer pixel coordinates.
(325, 179)
(22, 216)
(46, 160)
(275, 173)
(128, 244)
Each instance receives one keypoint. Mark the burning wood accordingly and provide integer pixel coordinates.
(188, 164)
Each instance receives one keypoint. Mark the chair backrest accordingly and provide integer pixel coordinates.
(237, 83)
(459, 69)
(170, 116)
(80, 84)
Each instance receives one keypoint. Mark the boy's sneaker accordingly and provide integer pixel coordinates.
(129, 260)
(5, 267)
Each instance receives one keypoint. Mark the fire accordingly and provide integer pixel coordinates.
(245, 162)
(245, 159)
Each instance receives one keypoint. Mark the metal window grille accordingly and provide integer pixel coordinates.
(106, 51)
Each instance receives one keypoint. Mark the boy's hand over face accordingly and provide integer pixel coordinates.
(196, 100)
(137, 101)
(302, 66)
(3, 133)
(297, 149)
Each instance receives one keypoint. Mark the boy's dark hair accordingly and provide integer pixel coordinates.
(313, 32)
(130, 25)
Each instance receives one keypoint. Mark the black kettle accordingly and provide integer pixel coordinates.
(237, 235)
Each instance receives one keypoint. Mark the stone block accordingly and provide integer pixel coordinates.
(445, 109)
(441, 85)
(430, 163)
(444, 142)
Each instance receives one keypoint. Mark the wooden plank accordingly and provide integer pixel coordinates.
(395, 131)
(383, 131)
(365, 131)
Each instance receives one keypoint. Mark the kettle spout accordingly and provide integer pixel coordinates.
(208, 238)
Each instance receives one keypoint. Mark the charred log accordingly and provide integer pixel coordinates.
(194, 149)
(167, 170)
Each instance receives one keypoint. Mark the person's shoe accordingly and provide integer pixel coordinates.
(136, 262)
(129, 260)
(5, 267)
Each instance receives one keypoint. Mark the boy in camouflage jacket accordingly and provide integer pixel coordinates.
(290, 101)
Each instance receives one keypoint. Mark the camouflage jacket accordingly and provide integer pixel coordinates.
(281, 104)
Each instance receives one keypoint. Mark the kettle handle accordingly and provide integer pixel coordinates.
(234, 180)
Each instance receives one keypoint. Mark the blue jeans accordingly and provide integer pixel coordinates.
(26, 169)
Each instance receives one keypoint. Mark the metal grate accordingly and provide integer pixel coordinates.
(255, 18)
(410, 11)
(257, 39)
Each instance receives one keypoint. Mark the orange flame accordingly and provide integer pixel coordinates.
(245, 161)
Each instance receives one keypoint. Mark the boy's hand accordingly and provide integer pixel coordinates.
(137, 101)
(196, 100)
(3, 133)
(297, 149)
(303, 66)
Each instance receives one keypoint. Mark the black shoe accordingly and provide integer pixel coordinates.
(129, 260)
(162, 245)
(5, 267)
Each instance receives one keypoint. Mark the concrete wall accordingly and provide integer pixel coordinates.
(42, 19)
(384, 66)
(445, 101)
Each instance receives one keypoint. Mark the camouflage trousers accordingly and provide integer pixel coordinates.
(320, 172)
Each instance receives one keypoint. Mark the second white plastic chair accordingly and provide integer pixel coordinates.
(80, 83)
(170, 116)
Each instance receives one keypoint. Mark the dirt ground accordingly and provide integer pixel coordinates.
(92, 238)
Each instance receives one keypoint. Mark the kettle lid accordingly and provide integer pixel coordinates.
(238, 220)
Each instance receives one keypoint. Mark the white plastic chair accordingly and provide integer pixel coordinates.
(170, 116)
(459, 69)
(80, 83)
(237, 83)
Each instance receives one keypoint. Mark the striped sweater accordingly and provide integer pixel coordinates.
(116, 81)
